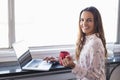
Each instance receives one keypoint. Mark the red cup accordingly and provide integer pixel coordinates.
(62, 55)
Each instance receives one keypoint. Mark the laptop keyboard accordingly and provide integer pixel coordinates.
(34, 63)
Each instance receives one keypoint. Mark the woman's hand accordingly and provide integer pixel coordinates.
(68, 62)
(51, 59)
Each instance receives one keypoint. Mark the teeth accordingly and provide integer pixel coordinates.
(85, 27)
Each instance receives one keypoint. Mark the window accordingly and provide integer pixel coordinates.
(4, 24)
(55, 22)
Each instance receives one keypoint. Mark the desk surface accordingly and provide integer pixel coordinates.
(113, 60)
(16, 70)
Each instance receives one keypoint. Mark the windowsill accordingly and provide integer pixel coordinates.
(8, 55)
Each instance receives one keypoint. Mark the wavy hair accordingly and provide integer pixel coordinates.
(98, 29)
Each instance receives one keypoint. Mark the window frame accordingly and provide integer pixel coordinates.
(11, 22)
(118, 22)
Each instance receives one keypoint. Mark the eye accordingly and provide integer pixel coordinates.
(89, 20)
(81, 20)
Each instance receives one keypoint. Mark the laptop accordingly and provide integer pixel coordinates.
(25, 59)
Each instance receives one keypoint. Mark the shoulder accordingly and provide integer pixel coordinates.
(96, 42)
(96, 45)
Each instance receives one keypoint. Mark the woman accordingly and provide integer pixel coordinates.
(90, 47)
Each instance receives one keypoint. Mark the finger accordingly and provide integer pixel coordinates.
(45, 58)
(65, 62)
(52, 57)
(69, 57)
(52, 60)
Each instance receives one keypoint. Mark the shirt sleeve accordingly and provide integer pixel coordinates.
(95, 64)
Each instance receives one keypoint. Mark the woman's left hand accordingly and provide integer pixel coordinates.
(68, 62)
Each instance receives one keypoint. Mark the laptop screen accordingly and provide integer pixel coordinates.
(20, 48)
(25, 58)
(22, 52)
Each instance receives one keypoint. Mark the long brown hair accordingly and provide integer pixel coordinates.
(98, 29)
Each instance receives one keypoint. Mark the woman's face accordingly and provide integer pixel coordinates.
(87, 22)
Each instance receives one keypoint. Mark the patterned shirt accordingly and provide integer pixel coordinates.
(91, 64)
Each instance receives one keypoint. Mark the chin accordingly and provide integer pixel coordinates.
(85, 32)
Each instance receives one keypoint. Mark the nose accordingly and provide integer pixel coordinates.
(84, 23)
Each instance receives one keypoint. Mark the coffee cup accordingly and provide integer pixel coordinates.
(62, 55)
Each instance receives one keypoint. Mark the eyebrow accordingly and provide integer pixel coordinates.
(88, 18)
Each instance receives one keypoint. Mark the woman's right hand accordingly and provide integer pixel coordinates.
(51, 59)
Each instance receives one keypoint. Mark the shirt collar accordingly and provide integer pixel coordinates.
(90, 36)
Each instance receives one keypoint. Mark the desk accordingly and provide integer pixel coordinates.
(15, 73)
(56, 73)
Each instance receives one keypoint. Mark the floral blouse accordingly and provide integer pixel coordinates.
(91, 64)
